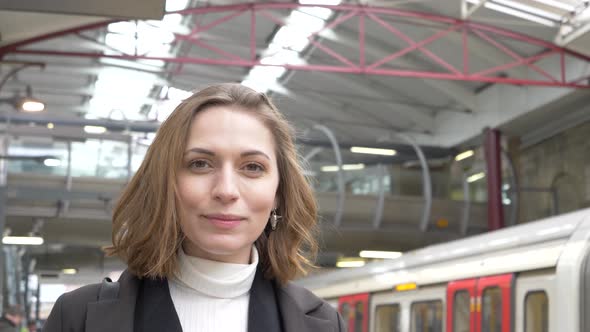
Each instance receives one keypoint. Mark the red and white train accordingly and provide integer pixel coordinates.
(533, 277)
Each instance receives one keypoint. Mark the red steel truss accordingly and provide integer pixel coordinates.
(495, 37)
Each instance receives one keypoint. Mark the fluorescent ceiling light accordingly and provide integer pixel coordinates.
(530, 9)
(51, 162)
(380, 254)
(69, 271)
(23, 240)
(350, 263)
(476, 177)
(32, 106)
(346, 167)
(517, 13)
(383, 152)
(464, 155)
(95, 129)
(557, 4)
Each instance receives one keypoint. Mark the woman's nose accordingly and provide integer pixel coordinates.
(225, 188)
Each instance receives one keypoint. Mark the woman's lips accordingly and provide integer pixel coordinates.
(225, 221)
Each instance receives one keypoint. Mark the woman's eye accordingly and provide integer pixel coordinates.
(199, 164)
(253, 168)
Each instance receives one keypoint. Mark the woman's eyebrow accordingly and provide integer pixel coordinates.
(243, 154)
(200, 150)
(254, 153)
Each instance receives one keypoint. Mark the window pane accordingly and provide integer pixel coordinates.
(491, 320)
(461, 311)
(536, 312)
(359, 315)
(387, 318)
(427, 316)
(345, 312)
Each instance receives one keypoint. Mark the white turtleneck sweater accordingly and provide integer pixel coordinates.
(212, 296)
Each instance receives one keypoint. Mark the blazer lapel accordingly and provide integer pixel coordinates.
(297, 308)
(155, 310)
(263, 313)
(116, 315)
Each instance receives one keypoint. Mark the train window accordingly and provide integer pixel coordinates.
(345, 311)
(491, 313)
(461, 312)
(387, 318)
(427, 316)
(359, 310)
(536, 312)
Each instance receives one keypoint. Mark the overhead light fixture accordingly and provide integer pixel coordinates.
(380, 254)
(27, 103)
(464, 155)
(383, 152)
(350, 263)
(346, 167)
(23, 240)
(476, 177)
(51, 162)
(69, 271)
(31, 105)
(95, 129)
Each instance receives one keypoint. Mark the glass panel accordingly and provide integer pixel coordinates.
(387, 318)
(359, 315)
(536, 312)
(24, 150)
(491, 313)
(99, 158)
(461, 312)
(345, 312)
(427, 316)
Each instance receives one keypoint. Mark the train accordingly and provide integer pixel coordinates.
(532, 277)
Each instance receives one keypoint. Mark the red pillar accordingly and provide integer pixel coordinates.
(493, 156)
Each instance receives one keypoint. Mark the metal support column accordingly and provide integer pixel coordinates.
(493, 156)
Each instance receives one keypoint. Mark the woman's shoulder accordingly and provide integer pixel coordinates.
(69, 311)
(310, 303)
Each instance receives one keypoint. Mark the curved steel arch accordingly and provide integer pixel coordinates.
(446, 25)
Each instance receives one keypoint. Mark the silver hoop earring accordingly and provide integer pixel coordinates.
(274, 219)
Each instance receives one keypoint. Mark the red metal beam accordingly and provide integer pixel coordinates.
(493, 155)
(225, 14)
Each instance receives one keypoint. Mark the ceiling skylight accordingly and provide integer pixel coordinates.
(546, 12)
(287, 45)
(122, 93)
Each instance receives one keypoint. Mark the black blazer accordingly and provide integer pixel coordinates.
(145, 305)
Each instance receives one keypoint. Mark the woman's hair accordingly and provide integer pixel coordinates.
(146, 225)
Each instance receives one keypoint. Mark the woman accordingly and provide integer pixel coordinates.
(212, 227)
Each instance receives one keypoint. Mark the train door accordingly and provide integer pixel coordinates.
(355, 312)
(461, 297)
(494, 304)
(480, 305)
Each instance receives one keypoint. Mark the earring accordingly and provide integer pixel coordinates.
(274, 219)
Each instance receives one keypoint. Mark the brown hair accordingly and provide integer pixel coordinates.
(146, 225)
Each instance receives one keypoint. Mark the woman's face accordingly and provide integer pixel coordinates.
(227, 184)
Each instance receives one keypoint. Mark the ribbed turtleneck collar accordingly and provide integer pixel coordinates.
(216, 279)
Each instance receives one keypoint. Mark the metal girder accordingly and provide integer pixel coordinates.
(457, 93)
(364, 14)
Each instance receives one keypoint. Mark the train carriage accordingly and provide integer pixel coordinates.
(533, 277)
